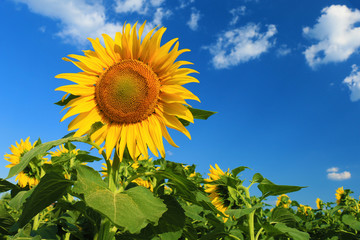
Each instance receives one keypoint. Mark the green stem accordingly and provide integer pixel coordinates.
(251, 216)
(258, 233)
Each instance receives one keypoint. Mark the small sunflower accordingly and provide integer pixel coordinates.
(134, 87)
(219, 193)
(63, 150)
(283, 201)
(340, 193)
(304, 209)
(319, 203)
(30, 176)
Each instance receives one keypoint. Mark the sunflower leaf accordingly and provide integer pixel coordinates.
(6, 185)
(132, 209)
(50, 188)
(39, 150)
(269, 188)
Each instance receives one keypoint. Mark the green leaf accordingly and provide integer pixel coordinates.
(270, 189)
(257, 178)
(87, 158)
(292, 232)
(96, 126)
(20, 198)
(172, 222)
(238, 213)
(132, 209)
(238, 170)
(351, 221)
(66, 101)
(197, 114)
(6, 221)
(283, 215)
(38, 151)
(6, 186)
(50, 188)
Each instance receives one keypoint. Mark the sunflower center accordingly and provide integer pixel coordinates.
(127, 92)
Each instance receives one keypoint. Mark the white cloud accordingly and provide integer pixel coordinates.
(353, 82)
(79, 19)
(283, 50)
(339, 176)
(337, 36)
(156, 3)
(334, 174)
(169, 153)
(240, 45)
(236, 13)
(82, 19)
(128, 6)
(185, 3)
(194, 19)
(333, 169)
(42, 29)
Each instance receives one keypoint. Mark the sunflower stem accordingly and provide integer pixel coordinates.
(251, 216)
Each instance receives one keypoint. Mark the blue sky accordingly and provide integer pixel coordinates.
(283, 76)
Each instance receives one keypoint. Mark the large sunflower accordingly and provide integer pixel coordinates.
(134, 87)
(30, 175)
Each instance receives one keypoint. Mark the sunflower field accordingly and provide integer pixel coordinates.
(123, 100)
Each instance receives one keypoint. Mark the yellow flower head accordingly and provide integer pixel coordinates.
(63, 150)
(319, 203)
(304, 209)
(133, 86)
(29, 176)
(219, 193)
(339, 195)
(283, 201)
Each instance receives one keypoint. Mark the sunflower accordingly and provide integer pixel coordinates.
(31, 174)
(63, 150)
(340, 193)
(134, 87)
(283, 201)
(319, 203)
(304, 209)
(219, 193)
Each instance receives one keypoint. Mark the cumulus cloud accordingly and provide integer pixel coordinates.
(336, 34)
(236, 13)
(185, 3)
(353, 82)
(333, 169)
(283, 50)
(240, 45)
(194, 19)
(81, 19)
(128, 6)
(334, 174)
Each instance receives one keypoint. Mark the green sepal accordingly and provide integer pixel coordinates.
(66, 100)
(197, 114)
